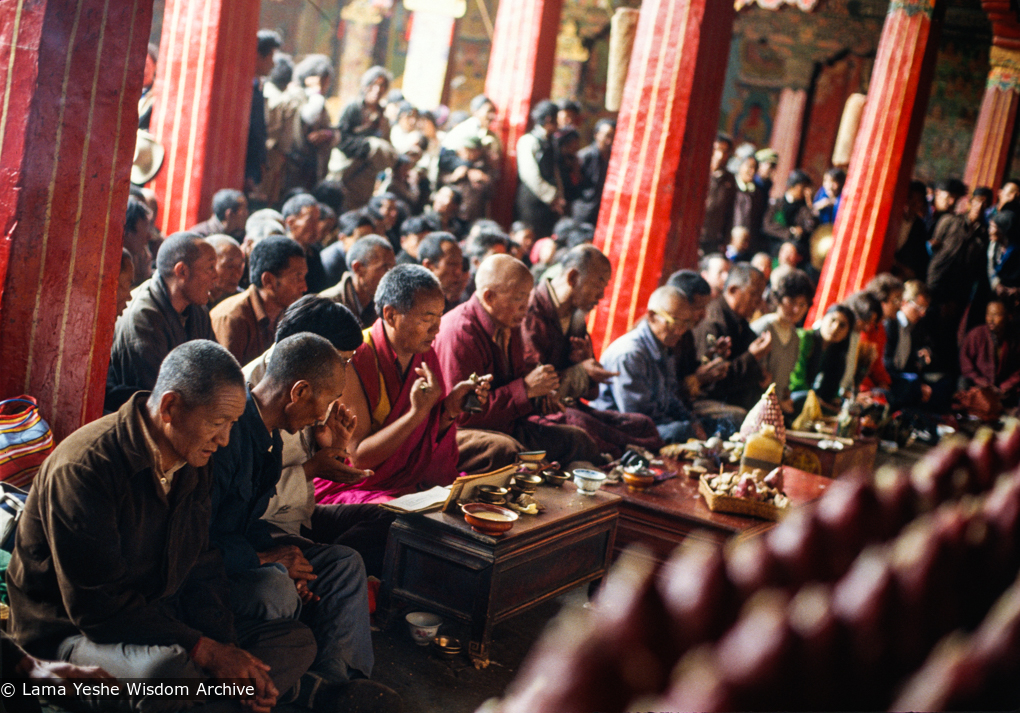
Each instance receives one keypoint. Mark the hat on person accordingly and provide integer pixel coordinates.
(767, 156)
(148, 158)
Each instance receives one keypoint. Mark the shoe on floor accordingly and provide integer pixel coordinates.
(359, 696)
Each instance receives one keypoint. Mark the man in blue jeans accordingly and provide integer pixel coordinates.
(323, 585)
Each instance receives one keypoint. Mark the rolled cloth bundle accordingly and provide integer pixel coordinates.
(623, 27)
(848, 126)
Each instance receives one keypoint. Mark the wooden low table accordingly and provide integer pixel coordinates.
(435, 561)
(664, 514)
(834, 463)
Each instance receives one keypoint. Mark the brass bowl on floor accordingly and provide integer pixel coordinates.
(447, 647)
(488, 519)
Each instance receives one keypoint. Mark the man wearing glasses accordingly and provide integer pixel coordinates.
(647, 381)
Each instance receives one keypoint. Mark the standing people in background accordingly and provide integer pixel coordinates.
(949, 193)
(828, 197)
(567, 143)
(404, 134)
(540, 193)
(479, 124)
(767, 159)
(722, 193)
(912, 255)
(283, 127)
(467, 168)
(750, 202)
(364, 150)
(255, 156)
(594, 161)
(568, 114)
(790, 218)
(312, 77)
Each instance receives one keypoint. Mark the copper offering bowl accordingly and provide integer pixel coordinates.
(555, 478)
(637, 481)
(447, 647)
(488, 519)
(492, 494)
(527, 482)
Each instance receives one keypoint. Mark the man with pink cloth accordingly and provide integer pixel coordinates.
(404, 429)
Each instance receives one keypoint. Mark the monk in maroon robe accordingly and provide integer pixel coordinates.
(555, 333)
(483, 336)
(404, 416)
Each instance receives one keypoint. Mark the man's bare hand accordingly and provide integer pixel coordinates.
(723, 347)
(596, 372)
(542, 380)
(41, 670)
(336, 429)
(551, 404)
(712, 371)
(761, 346)
(581, 349)
(425, 391)
(331, 464)
(482, 386)
(225, 661)
(291, 558)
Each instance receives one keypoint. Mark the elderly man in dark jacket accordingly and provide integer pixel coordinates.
(166, 311)
(727, 316)
(112, 565)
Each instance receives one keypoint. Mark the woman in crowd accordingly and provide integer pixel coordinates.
(792, 298)
(822, 358)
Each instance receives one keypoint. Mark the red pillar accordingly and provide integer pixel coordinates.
(989, 149)
(654, 199)
(70, 78)
(786, 135)
(885, 150)
(520, 75)
(203, 101)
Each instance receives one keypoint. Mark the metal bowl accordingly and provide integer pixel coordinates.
(531, 456)
(447, 647)
(488, 519)
(492, 494)
(637, 481)
(555, 478)
(527, 482)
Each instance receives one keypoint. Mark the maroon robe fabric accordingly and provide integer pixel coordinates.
(978, 361)
(545, 343)
(426, 458)
(464, 346)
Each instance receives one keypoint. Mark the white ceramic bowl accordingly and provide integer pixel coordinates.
(423, 626)
(588, 481)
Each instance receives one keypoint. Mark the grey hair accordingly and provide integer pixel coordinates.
(742, 274)
(196, 371)
(399, 288)
(302, 357)
(313, 65)
(364, 248)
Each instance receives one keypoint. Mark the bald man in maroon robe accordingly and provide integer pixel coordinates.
(483, 336)
(555, 333)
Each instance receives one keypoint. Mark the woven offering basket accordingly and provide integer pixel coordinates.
(737, 506)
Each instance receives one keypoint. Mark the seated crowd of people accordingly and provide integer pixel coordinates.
(274, 377)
